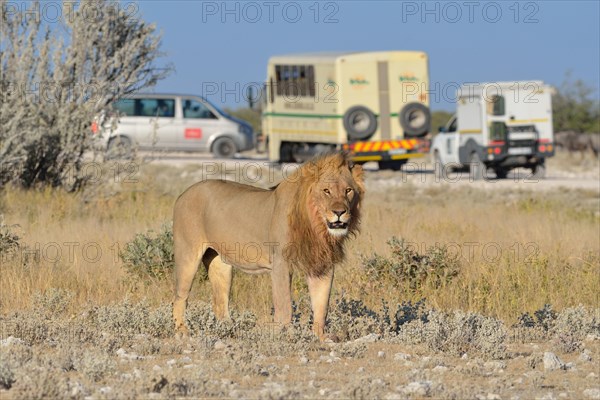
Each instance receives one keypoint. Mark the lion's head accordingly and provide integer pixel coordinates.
(325, 211)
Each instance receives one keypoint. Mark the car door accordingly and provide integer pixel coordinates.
(157, 128)
(451, 142)
(200, 122)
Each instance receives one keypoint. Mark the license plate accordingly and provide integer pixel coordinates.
(519, 150)
(397, 151)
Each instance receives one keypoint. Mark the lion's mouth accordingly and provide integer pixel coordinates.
(337, 225)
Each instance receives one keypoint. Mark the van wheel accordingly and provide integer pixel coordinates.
(501, 173)
(119, 148)
(360, 123)
(476, 167)
(224, 148)
(415, 119)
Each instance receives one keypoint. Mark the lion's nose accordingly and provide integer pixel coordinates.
(339, 213)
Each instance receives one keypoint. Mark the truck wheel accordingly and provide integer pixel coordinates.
(286, 152)
(476, 167)
(360, 123)
(224, 147)
(415, 119)
(501, 173)
(119, 148)
(392, 165)
(538, 171)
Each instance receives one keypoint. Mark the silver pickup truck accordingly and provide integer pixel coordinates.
(172, 122)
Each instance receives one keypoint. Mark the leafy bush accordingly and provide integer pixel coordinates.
(9, 241)
(436, 267)
(150, 254)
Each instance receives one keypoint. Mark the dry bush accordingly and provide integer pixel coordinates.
(56, 77)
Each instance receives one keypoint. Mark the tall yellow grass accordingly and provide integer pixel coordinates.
(518, 249)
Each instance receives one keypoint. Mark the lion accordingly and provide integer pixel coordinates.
(299, 225)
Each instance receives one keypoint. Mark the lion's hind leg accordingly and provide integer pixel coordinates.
(220, 275)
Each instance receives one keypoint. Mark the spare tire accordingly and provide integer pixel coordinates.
(360, 123)
(415, 119)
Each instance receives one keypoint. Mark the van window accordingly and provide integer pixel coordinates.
(155, 108)
(295, 80)
(196, 109)
(496, 105)
(125, 107)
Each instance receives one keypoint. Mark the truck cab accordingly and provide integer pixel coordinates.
(498, 126)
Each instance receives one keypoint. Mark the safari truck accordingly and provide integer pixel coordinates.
(374, 104)
(497, 126)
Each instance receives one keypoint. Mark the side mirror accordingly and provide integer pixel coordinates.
(442, 129)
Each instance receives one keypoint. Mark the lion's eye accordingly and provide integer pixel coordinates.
(348, 190)
(327, 192)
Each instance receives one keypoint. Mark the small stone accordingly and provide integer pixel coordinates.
(156, 368)
(592, 393)
(493, 396)
(381, 354)
(401, 356)
(370, 338)
(303, 360)
(591, 376)
(219, 345)
(464, 357)
(186, 360)
(171, 362)
(563, 395)
(121, 352)
(418, 388)
(552, 362)
(586, 356)
(362, 369)
(440, 368)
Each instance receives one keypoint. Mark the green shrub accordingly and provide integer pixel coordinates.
(10, 242)
(436, 267)
(150, 254)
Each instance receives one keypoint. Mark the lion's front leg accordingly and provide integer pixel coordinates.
(319, 289)
(281, 281)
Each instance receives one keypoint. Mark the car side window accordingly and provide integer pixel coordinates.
(125, 107)
(155, 108)
(196, 109)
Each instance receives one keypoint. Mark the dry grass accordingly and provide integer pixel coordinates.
(517, 249)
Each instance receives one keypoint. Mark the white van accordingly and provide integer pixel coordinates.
(173, 122)
(497, 126)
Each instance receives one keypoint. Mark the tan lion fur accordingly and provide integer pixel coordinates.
(301, 224)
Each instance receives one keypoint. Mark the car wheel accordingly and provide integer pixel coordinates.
(501, 173)
(224, 148)
(415, 119)
(119, 148)
(360, 123)
(476, 167)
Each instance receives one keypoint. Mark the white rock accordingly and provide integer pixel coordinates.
(186, 360)
(381, 354)
(591, 376)
(219, 345)
(552, 362)
(418, 388)
(370, 338)
(9, 341)
(493, 396)
(586, 356)
(592, 393)
(464, 357)
(440, 368)
(156, 368)
(171, 362)
(303, 360)
(402, 356)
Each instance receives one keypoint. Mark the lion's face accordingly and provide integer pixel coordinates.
(336, 198)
